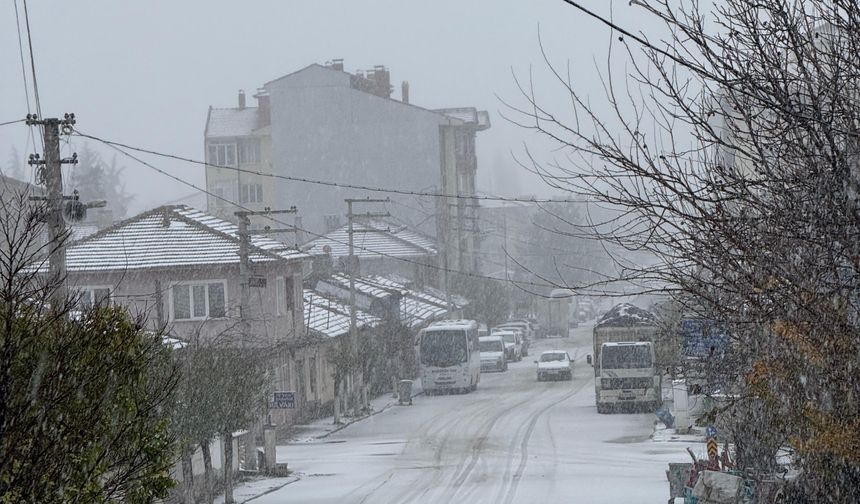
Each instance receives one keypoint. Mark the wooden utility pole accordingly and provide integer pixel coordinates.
(352, 267)
(244, 220)
(51, 174)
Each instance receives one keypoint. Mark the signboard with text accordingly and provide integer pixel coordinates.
(283, 400)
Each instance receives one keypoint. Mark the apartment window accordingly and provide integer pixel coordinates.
(222, 154)
(284, 295)
(198, 300)
(249, 151)
(251, 193)
(87, 297)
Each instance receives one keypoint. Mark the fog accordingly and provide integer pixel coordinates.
(145, 73)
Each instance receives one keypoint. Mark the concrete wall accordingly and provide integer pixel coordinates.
(322, 128)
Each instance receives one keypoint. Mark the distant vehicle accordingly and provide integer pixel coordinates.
(525, 331)
(493, 356)
(449, 356)
(483, 331)
(536, 327)
(625, 370)
(554, 364)
(513, 342)
(558, 314)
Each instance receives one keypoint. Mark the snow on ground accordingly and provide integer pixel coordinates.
(513, 440)
(250, 490)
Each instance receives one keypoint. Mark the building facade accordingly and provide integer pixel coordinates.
(326, 124)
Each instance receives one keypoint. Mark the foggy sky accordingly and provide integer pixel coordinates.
(145, 72)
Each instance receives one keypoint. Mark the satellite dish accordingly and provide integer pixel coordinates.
(74, 211)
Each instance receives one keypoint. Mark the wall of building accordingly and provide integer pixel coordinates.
(323, 128)
(144, 292)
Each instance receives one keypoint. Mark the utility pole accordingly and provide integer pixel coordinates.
(353, 266)
(244, 220)
(51, 174)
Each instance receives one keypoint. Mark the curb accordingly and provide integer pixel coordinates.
(274, 489)
(359, 419)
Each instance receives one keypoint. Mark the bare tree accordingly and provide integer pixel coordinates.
(730, 155)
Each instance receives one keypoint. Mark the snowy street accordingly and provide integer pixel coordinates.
(513, 440)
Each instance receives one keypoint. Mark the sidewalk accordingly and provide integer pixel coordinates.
(247, 491)
(324, 427)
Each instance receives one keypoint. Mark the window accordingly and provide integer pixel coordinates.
(284, 295)
(89, 296)
(251, 193)
(222, 154)
(249, 151)
(198, 300)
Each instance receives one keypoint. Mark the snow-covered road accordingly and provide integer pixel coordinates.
(513, 440)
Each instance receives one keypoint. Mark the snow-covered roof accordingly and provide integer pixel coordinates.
(418, 306)
(170, 236)
(374, 239)
(443, 325)
(330, 317)
(626, 314)
(231, 122)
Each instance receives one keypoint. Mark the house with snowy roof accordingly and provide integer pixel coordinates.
(381, 248)
(179, 267)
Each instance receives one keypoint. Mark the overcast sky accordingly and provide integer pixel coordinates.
(145, 72)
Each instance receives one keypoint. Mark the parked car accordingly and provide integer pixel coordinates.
(493, 355)
(525, 332)
(554, 364)
(513, 343)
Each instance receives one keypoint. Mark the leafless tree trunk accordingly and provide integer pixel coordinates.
(187, 479)
(228, 467)
(208, 495)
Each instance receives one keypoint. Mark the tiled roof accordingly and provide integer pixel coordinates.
(384, 239)
(231, 122)
(331, 318)
(417, 306)
(169, 236)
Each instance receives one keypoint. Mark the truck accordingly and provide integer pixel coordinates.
(626, 374)
(554, 312)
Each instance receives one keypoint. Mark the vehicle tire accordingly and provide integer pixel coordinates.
(474, 387)
(569, 376)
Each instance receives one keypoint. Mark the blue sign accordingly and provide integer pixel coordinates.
(711, 431)
(283, 400)
(702, 338)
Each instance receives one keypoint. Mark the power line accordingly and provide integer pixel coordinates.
(327, 182)
(317, 235)
(12, 122)
(32, 58)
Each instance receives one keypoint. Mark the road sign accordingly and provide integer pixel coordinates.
(712, 449)
(711, 431)
(283, 400)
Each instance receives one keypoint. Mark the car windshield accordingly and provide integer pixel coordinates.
(551, 357)
(443, 348)
(492, 346)
(626, 357)
(509, 337)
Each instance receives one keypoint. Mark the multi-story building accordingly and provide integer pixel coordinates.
(329, 125)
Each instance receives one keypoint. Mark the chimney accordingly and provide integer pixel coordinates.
(382, 80)
(404, 92)
(241, 98)
(264, 109)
